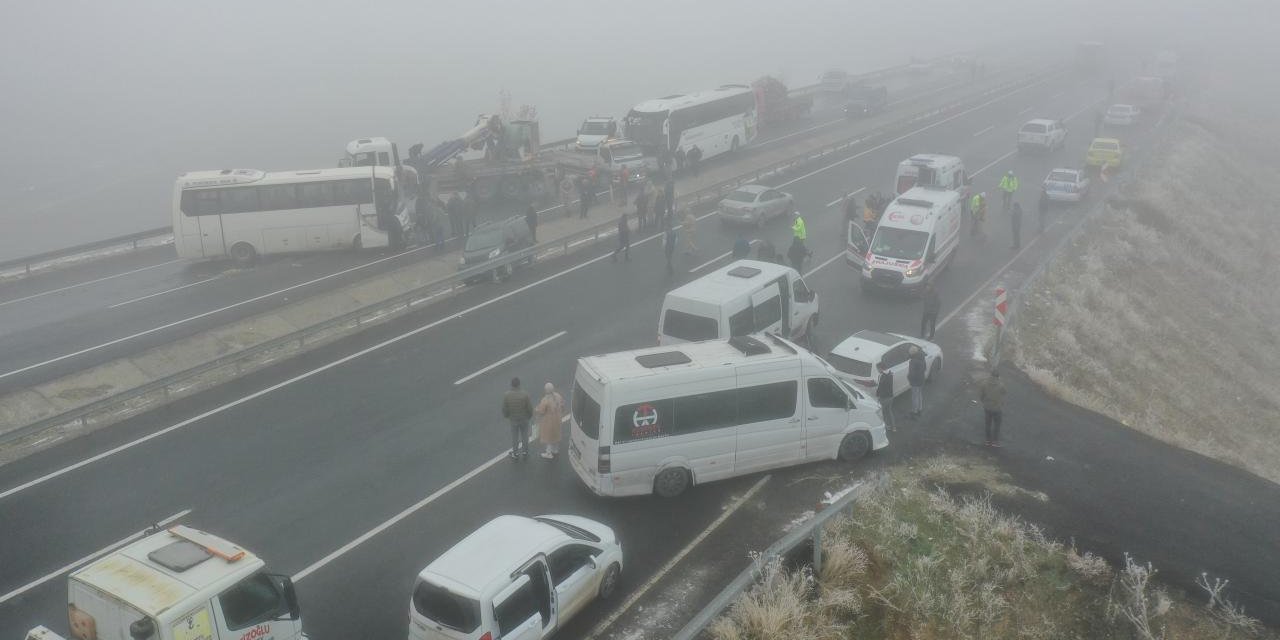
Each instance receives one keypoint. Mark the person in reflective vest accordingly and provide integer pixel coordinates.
(797, 227)
(978, 208)
(1008, 185)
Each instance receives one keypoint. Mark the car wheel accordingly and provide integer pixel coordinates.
(244, 254)
(855, 446)
(609, 583)
(671, 482)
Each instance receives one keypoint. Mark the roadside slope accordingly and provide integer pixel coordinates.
(1163, 315)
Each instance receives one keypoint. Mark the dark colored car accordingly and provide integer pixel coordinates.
(866, 100)
(493, 240)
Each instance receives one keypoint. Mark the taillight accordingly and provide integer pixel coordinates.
(604, 464)
(487, 636)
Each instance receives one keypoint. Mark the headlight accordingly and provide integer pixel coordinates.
(495, 253)
(912, 272)
(462, 262)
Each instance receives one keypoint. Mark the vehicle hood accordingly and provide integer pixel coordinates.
(591, 139)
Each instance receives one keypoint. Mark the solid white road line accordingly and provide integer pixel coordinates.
(992, 163)
(363, 352)
(1028, 109)
(87, 282)
(202, 315)
(911, 133)
(984, 286)
(718, 258)
(509, 358)
(146, 297)
(828, 261)
(847, 195)
(96, 554)
(666, 568)
(982, 131)
(387, 524)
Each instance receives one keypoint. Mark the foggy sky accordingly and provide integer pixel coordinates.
(107, 102)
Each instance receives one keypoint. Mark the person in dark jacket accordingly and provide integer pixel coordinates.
(531, 219)
(669, 246)
(741, 247)
(518, 410)
(694, 159)
(991, 394)
(454, 208)
(1015, 225)
(669, 193)
(471, 208)
(796, 253)
(642, 207)
(624, 239)
(660, 216)
(916, 373)
(584, 197)
(929, 317)
(884, 393)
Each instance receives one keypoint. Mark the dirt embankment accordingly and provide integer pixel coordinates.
(1165, 314)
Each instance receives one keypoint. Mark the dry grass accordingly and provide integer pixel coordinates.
(915, 562)
(1165, 314)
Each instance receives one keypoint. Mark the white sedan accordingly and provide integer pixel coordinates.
(857, 358)
(1067, 185)
(754, 204)
(1121, 115)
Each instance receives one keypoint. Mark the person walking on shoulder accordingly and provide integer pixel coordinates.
(884, 393)
(550, 414)
(624, 239)
(1008, 185)
(531, 219)
(916, 374)
(518, 409)
(687, 229)
(1015, 224)
(929, 316)
(991, 393)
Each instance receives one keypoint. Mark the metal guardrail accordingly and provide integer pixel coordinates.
(808, 533)
(134, 400)
(26, 263)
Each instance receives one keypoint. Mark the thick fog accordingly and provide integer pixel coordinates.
(105, 103)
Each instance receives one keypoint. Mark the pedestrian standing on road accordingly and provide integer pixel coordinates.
(436, 211)
(1015, 224)
(798, 230)
(669, 246)
(929, 315)
(670, 193)
(1043, 208)
(917, 370)
(1008, 185)
(687, 229)
(518, 409)
(455, 214)
(624, 185)
(850, 209)
(470, 207)
(624, 238)
(695, 160)
(660, 217)
(741, 247)
(884, 393)
(531, 219)
(991, 394)
(642, 207)
(978, 210)
(680, 161)
(550, 414)
(566, 195)
(870, 216)
(584, 200)
(796, 254)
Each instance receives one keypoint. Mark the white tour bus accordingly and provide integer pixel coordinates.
(245, 213)
(660, 419)
(717, 121)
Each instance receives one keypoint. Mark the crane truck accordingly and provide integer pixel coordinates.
(179, 584)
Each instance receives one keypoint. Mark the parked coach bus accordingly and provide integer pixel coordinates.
(246, 213)
(716, 122)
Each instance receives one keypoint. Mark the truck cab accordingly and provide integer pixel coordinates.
(371, 152)
(179, 584)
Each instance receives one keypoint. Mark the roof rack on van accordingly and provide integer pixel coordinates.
(749, 346)
(744, 272)
(779, 341)
(662, 359)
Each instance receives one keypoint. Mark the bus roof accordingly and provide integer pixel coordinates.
(684, 101)
(225, 177)
(653, 361)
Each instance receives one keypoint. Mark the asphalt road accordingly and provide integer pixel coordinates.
(60, 322)
(299, 471)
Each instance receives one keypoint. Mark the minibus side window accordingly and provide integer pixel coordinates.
(765, 402)
(706, 411)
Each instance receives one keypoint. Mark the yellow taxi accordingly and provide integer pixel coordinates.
(1104, 152)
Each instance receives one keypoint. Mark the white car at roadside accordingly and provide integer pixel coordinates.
(1042, 134)
(754, 204)
(857, 359)
(1066, 185)
(515, 577)
(1121, 115)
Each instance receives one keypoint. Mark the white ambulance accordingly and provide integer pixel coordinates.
(661, 419)
(932, 170)
(179, 584)
(915, 240)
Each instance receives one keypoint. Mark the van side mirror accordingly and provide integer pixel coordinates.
(285, 586)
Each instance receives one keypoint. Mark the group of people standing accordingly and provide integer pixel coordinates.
(431, 213)
(519, 410)
(1008, 187)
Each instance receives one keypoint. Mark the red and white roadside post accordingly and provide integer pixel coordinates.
(1001, 309)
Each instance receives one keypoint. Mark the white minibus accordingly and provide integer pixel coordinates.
(661, 419)
(744, 297)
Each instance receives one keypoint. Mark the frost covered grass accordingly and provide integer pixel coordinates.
(1165, 314)
(917, 562)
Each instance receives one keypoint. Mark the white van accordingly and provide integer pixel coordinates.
(515, 578)
(915, 240)
(747, 296)
(660, 419)
(932, 170)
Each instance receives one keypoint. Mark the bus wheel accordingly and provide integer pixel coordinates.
(854, 446)
(733, 146)
(671, 482)
(243, 254)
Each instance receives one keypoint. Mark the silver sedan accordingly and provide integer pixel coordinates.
(754, 204)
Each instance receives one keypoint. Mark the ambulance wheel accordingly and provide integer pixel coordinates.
(855, 446)
(671, 482)
(243, 254)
